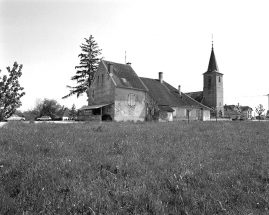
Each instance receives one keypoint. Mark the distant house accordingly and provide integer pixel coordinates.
(66, 114)
(237, 111)
(246, 111)
(117, 93)
(232, 112)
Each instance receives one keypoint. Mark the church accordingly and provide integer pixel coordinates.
(212, 94)
(117, 93)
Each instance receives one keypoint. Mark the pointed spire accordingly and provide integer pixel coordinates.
(212, 66)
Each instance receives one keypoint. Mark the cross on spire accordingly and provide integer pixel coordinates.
(212, 41)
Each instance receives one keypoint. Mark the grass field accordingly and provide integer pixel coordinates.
(135, 168)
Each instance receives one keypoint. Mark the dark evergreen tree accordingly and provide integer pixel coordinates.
(10, 91)
(89, 61)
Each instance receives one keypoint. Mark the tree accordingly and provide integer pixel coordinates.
(73, 111)
(46, 107)
(10, 91)
(188, 113)
(60, 112)
(259, 110)
(220, 113)
(152, 110)
(50, 107)
(214, 113)
(89, 62)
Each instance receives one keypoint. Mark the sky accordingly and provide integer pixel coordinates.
(173, 37)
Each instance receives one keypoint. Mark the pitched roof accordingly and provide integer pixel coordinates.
(124, 76)
(66, 112)
(198, 96)
(245, 108)
(229, 107)
(165, 94)
(166, 108)
(235, 107)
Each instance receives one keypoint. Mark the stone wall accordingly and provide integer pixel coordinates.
(126, 112)
(102, 90)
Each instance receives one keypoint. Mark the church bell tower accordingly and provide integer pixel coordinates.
(213, 85)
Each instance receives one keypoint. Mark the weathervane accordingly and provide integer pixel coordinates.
(212, 40)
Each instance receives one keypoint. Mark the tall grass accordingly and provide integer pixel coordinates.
(135, 168)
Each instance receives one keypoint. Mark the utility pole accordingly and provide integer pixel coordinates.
(268, 103)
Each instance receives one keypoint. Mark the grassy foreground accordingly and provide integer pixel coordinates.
(128, 168)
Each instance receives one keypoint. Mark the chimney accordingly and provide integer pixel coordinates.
(110, 69)
(129, 64)
(179, 90)
(161, 77)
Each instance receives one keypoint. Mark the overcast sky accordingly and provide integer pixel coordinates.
(169, 36)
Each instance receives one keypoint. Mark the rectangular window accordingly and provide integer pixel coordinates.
(131, 100)
(102, 78)
(93, 93)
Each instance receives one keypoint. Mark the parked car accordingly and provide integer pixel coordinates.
(15, 117)
(44, 118)
(262, 117)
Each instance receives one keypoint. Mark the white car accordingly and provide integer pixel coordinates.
(44, 118)
(15, 117)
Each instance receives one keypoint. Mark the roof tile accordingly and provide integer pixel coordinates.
(165, 94)
(125, 76)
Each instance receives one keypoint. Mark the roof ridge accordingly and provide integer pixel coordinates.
(195, 92)
(115, 62)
